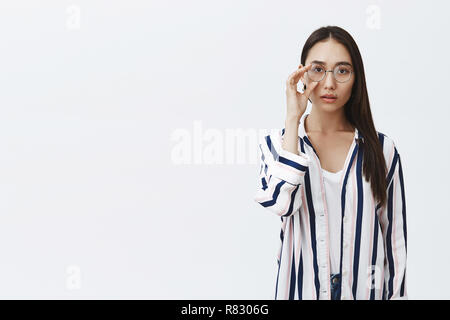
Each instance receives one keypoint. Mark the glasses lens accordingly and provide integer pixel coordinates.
(342, 73)
(316, 72)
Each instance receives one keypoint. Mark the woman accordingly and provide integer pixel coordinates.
(336, 183)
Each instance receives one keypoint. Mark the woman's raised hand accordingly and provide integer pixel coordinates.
(297, 101)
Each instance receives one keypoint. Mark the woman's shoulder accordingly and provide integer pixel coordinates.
(385, 140)
(388, 145)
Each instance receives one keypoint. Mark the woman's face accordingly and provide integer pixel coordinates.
(330, 52)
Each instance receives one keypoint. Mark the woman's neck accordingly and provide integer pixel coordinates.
(327, 122)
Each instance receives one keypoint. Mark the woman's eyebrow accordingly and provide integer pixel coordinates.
(337, 63)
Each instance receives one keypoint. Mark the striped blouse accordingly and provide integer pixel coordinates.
(372, 238)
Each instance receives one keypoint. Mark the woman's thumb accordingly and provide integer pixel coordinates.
(310, 88)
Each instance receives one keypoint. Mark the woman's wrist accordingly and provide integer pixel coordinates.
(290, 140)
(292, 119)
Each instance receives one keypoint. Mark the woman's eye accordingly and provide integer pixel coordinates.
(317, 69)
(343, 70)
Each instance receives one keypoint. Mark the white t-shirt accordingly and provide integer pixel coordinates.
(332, 193)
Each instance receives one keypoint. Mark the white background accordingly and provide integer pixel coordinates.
(92, 94)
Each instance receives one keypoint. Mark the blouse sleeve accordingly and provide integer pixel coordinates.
(393, 219)
(281, 176)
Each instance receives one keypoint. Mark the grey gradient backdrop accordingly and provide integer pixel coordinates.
(94, 94)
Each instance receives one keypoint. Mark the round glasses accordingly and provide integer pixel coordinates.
(342, 73)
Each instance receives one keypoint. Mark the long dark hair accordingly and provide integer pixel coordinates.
(357, 109)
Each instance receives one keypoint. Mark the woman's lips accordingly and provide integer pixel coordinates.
(328, 100)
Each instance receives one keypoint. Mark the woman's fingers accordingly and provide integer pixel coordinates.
(297, 74)
(310, 88)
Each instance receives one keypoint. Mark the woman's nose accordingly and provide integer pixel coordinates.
(330, 81)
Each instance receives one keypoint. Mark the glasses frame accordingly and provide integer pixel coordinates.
(333, 71)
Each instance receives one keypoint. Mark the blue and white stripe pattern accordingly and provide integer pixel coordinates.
(373, 238)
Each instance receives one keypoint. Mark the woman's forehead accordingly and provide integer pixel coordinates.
(329, 53)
